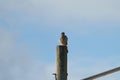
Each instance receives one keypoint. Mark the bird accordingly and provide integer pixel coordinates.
(63, 39)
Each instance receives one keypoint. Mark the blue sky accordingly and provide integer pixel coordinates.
(29, 31)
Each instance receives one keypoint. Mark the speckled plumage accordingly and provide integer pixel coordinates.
(63, 39)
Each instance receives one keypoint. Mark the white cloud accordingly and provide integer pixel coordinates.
(17, 63)
(69, 15)
(6, 41)
(89, 9)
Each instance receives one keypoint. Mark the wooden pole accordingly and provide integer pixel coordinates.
(61, 62)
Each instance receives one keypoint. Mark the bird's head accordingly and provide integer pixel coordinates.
(62, 33)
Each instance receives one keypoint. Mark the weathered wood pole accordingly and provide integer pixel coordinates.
(61, 62)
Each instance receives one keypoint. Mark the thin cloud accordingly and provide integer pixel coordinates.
(72, 16)
(16, 63)
(77, 9)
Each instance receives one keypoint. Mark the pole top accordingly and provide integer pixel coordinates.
(62, 47)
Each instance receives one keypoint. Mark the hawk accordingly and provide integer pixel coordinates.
(63, 39)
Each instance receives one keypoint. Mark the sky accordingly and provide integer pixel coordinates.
(29, 32)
